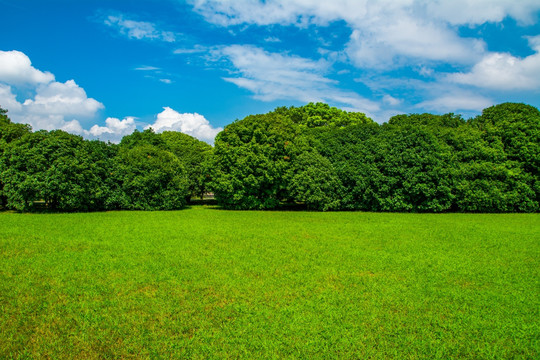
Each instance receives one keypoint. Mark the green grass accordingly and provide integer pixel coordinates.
(206, 283)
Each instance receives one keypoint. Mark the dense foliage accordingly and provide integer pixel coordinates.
(329, 159)
(314, 156)
(63, 172)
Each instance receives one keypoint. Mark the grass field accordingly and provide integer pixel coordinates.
(206, 283)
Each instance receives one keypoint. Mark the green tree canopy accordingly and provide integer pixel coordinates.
(195, 156)
(317, 156)
(150, 178)
(55, 167)
(252, 157)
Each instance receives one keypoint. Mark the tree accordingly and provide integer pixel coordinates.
(350, 152)
(146, 137)
(9, 132)
(150, 179)
(101, 158)
(517, 128)
(252, 157)
(485, 179)
(312, 180)
(320, 114)
(54, 167)
(195, 156)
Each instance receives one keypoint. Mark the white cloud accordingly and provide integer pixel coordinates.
(194, 50)
(406, 40)
(66, 99)
(501, 71)
(16, 68)
(147, 68)
(57, 105)
(385, 33)
(51, 105)
(113, 130)
(54, 106)
(272, 39)
(285, 12)
(195, 124)
(303, 12)
(453, 102)
(392, 101)
(155, 73)
(8, 99)
(74, 127)
(272, 76)
(138, 29)
(459, 12)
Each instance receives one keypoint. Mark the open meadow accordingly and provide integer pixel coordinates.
(207, 283)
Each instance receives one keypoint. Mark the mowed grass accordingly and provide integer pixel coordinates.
(206, 283)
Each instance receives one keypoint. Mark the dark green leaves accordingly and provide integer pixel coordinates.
(336, 160)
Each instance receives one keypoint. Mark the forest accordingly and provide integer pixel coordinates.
(314, 157)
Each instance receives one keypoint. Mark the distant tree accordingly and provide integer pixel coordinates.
(146, 137)
(9, 132)
(312, 180)
(412, 171)
(317, 155)
(151, 179)
(320, 114)
(195, 156)
(433, 122)
(517, 128)
(349, 151)
(485, 179)
(54, 167)
(105, 190)
(192, 153)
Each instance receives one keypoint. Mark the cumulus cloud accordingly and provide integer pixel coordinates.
(74, 127)
(113, 130)
(57, 105)
(195, 124)
(140, 30)
(273, 76)
(66, 99)
(16, 68)
(8, 99)
(54, 105)
(502, 71)
(51, 105)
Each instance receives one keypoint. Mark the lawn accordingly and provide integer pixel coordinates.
(207, 283)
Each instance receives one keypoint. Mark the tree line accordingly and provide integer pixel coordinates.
(59, 171)
(315, 156)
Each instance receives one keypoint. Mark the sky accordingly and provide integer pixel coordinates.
(102, 69)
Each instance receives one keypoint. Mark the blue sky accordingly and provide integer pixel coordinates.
(103, 68)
